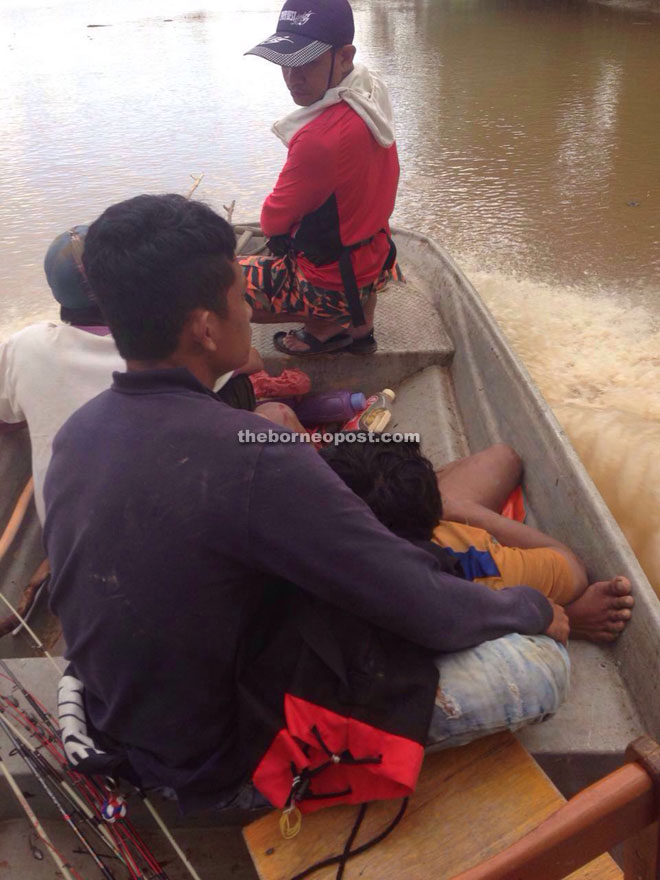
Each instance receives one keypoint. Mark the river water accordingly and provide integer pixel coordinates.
(529, 137)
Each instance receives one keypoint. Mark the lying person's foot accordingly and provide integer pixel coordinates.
(602, 611)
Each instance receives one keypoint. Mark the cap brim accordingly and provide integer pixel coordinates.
(290, 50)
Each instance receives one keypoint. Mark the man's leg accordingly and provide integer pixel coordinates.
(505, 684)
(487, 477)
(279, 294)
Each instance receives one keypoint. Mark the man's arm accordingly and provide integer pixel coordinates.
(306, 526)
(305, 183)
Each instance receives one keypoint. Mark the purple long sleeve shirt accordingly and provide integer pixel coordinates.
(163, 531)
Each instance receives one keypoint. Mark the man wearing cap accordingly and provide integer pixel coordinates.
(48, 370)
(327, 217)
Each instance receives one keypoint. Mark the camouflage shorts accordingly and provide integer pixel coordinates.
(277, 286)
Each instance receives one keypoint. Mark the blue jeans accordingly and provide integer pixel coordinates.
(505, 684)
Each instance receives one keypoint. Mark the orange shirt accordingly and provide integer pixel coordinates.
(487, 561)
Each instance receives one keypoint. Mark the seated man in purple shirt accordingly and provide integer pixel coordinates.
(164, 530)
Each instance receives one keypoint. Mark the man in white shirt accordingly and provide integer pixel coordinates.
(48, 370)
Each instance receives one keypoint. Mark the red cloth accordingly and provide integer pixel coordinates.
(289, 383)
(514, 506)
(335, 154)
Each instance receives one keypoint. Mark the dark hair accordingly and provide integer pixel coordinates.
(150, 261)
(396, 481)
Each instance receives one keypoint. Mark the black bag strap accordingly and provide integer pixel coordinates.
(349, 280)
(348, 853)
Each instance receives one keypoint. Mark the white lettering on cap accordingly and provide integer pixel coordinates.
(297, 18)
(277, 39)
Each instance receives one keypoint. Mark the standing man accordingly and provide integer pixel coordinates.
(328, 216)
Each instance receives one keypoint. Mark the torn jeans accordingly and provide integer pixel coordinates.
(504, 684)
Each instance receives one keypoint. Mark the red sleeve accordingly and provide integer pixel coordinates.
(305, 183)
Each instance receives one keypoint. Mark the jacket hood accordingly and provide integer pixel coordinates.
(362, 90)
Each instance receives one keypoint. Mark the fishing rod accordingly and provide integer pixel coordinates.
(75, 801)
(68, 816)
(124, 835)
(62, 867)
(94, 804)
(120, 847)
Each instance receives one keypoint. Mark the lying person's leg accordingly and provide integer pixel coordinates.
(501, 685)
(487, 477)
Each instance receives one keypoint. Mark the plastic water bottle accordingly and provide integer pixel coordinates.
(326, 407)
(376, 415)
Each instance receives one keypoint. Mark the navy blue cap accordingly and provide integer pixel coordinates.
(305, 30)
(64, 269)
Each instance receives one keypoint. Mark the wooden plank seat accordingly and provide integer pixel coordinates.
(470, 803)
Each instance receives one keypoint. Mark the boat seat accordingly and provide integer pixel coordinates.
(470, 803)
(410, 337)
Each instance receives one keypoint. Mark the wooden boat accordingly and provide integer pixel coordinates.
(460, 385)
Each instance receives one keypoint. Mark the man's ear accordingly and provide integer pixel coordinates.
(346, 55)
(200, 328)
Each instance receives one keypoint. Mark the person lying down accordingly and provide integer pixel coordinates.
(401, 488)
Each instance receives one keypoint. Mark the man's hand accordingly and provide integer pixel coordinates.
(559, 628)
(280, 245)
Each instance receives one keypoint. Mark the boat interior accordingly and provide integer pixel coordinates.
(459, 384)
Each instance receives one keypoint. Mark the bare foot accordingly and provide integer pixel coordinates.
(602, 611)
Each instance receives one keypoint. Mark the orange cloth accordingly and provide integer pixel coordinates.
(541, 567)
(514, 506)
(290, 383)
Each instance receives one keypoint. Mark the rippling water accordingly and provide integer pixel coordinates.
(529, 135)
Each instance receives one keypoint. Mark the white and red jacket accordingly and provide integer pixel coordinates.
(339, 183)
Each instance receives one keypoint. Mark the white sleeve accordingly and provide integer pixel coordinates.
(10, 409)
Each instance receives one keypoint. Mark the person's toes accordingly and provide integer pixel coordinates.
(620, 586)
(615, 626)
(622, 602)
(622, 614)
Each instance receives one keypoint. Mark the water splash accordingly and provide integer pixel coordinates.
(596, 359)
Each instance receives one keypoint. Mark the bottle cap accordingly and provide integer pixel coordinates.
(358, 401)
(387, 392)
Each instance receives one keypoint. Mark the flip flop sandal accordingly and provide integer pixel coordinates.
(334, 345)
(366, 345)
